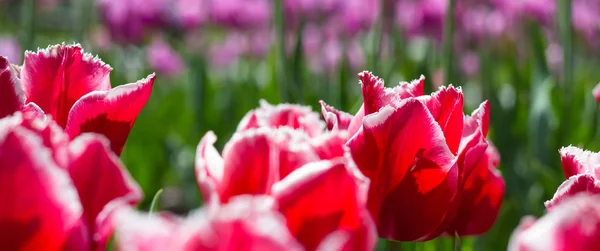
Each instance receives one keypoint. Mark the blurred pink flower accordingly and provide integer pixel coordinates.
(163, 58)
(127, 20)
(586, 19)
(227, 52)
(241, 14)
(10, 48)
(470, 63)
(191, 13)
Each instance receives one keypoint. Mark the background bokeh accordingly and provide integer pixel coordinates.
(536, 61)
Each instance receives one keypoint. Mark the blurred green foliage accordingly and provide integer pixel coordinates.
(535, 110)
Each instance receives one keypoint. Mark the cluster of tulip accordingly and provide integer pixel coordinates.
(406, 167)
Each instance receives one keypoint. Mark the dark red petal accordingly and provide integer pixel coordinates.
(246, 222)
(577, 161)
(336, 120)
(573, 225)
(446, 107)
(376, 96)
(208, 167)
(56, 77)
(579, 183)
(291, 115)
(403, 152)
(99, 177)
(345, 240)
(42, 207)
(12, 95)
(481, 197)
(322, 198)
(111, 113)
(482, 115)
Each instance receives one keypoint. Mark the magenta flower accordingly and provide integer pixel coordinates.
(162, 58)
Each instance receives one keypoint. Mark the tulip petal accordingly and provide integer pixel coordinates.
(376, 96)
(246, 222)
(291, 115)
(446, 106)
(11, 90)
(322, 198)
(56, 77)
(481, 197)
(580, 183)
(99, 177)
(403, 152)
(577, 161)
(573, 225)
(208, 167)
(596, 92)
(111, 113)
(357, 121)
(42, 207)
(336, 120)
(142, 232)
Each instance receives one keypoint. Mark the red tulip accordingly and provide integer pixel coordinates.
(418, 149)
(89, 177)
(323, 201)
(573, 225)
(253, 160)
(74, 88)
(295, 116)
(244, 223)
(582, 169)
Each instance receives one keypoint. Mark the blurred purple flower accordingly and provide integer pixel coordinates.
(423, 17)
(10, 48)
(162, 58)
(358, 15)
(586, 19)
(191, 13)
(241, 14)
(128, 19)
(227, 52)
(469, 64)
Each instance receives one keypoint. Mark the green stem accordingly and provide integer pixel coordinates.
(198, 82)
(280, 37)
(27, 24)
(393, 245)
(448, 40)
(566, 36)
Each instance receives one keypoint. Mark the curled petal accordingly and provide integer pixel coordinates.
(577, 161)
(580, 183)
(357, 121)
(376, 96)
(40, 207)
(336, 120)
(446, 106)
(208, 167)
(11, 90)
(99, 177)
(573, 225)
(403, 151)
(111, 113)
(56, 77)
(330, 145)
(325, 198)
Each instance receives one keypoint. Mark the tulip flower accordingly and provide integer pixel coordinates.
(245, 222)
(315, 185)
(419, 149)
(573, 225)
(58, 188)
(581, 168)
(74, 88)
